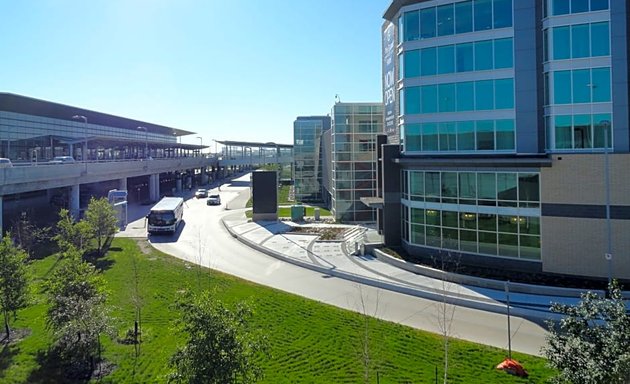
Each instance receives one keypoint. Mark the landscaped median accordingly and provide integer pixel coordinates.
(309, 342)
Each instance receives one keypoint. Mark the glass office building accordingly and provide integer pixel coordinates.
(307, 156)
(506, 113)
(353, 154)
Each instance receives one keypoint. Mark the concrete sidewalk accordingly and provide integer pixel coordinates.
(335, 258)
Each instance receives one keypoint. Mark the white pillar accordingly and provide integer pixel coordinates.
(178, 183)
(122, 184)
(73, 201)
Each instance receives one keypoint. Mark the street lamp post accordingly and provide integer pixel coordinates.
(608, 255)
(146, 141)
(84, 151)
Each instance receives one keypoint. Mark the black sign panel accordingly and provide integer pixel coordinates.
(265, 191)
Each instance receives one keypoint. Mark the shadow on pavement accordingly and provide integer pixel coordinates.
(167, 237)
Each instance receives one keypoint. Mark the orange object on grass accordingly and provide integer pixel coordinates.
(512, 367)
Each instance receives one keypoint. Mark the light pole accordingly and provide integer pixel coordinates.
(84, 151)
(608, 255)
(146, 141)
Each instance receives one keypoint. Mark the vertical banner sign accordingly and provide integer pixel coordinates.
(389, 82)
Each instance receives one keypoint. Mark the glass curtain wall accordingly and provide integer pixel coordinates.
(475, 113)
(306, 158)
(486, 213)
(354, 131)
(577, 78)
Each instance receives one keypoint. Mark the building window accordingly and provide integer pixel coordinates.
(461, 136)
(427, 23)
(482, 15)
(582, 86)
(581, 40)
(483, 55)
(497, 229)
(565, 7)
(445, 20)
(461, 17)
(446, 59)
(580, 132)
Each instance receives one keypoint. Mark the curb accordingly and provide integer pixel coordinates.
(434, 295)
(480, 281)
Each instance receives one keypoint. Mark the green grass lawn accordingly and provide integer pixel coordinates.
(286, 212)
(283, 197)
(310, 342)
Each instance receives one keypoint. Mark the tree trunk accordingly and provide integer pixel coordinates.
(6, 324)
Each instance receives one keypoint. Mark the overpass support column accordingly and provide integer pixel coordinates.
(204, 176)
(178, 183)
(154, 187)
(73, 203)
(122, 184)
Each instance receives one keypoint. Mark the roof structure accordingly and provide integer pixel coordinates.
(253, 144)
(10, 102)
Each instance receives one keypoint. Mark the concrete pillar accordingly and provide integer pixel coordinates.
(204, 176)
(73, 201)
(122, 184)
(154, 187)
(49, 194)
(71, 150)
(178, 184)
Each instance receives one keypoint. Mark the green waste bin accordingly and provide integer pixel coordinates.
(297, 212)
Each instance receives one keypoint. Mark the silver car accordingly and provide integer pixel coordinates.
(213, 200)
(61, 160)
(5, 163)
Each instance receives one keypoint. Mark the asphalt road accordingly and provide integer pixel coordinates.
(204, 240)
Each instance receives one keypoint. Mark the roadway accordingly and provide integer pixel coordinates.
(204, 240)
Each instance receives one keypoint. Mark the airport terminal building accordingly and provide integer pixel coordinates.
(507, 129)
(101, 152)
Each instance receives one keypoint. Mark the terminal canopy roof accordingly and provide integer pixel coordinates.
(253, 144)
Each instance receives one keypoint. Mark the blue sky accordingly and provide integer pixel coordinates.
(230, 69)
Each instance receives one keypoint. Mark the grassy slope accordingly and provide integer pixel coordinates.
(310, 342)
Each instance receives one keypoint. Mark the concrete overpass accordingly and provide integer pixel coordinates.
(25, 178)
(28, 178)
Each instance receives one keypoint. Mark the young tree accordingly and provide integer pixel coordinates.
(368, 351)
(102, 218)
(13, 281)
(27, 235)
(77, 314)
(591, 343)
(71, 234)
(220, 345)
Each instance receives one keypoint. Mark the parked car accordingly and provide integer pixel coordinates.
(61, 160)
(201, 193)
(5, 163)
(213, 200)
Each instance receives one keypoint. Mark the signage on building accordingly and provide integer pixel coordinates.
(389, 82)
